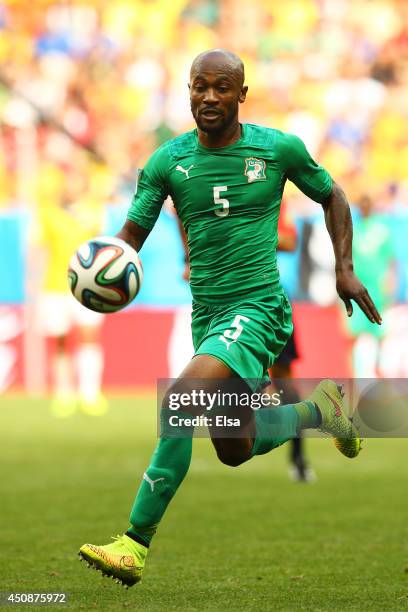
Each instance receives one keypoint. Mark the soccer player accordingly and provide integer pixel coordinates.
(63, 226)
(226, 180)
(373, 256)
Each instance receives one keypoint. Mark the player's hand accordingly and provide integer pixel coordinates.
(350, 288)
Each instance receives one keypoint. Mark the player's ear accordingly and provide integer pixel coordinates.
(243, 93)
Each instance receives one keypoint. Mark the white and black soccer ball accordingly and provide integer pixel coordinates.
(105, 274)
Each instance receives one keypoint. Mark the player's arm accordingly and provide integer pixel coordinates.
(315, 182)
(339, 225)
(134, 234)
(152, 190)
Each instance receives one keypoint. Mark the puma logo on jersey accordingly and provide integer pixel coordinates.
(184, 171)
(150, 481)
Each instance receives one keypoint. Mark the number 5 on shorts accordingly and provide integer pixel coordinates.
(230, 336)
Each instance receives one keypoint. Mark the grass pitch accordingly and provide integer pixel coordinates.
(233, 538)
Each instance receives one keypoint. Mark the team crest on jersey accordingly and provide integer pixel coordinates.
(255, 169)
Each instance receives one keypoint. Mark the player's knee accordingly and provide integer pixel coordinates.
(232, 459)
(175, 397)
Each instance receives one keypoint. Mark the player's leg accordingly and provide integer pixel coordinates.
(180, 347)
(262, 430)
(366, 345)
(54, 322)
(247, 337)
(64, 402)
(366, 356)
(124, 559)
(281, 373)
(324, 409)
(89, 360)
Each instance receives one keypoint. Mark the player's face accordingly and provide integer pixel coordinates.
(215, 93)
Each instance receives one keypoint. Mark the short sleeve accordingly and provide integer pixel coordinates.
(151, 190)
(300, 168)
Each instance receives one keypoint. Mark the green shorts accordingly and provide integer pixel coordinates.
(247, 335)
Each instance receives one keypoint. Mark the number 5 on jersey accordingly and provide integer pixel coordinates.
(230, 336)
(224, 211)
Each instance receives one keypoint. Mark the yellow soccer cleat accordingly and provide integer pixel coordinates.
(122, 560)
(328, 398)
(63, 406)
(97, 407)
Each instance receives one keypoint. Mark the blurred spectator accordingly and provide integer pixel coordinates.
(76, 379)
(373, 254)
(109, 75)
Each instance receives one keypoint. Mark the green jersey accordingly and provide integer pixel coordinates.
(228, 200)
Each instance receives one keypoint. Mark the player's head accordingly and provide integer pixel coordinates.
(366, 205)
(216, 88)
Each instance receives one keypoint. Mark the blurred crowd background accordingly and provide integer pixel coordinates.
(111, 77)
(88, 89)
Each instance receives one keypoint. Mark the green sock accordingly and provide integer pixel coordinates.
(309, 415)
(168, 467)
(275, 426)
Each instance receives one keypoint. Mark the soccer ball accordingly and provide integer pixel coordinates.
(105, 274)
